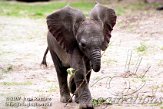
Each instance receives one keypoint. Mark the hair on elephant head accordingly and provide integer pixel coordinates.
(76, 41)
(72, 29)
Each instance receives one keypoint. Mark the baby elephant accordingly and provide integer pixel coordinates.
(75, 41)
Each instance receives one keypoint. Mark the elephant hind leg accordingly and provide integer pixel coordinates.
(62, 78)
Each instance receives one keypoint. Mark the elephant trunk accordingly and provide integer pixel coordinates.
(96, 59)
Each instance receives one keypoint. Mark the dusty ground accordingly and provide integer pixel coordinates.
(23, 42)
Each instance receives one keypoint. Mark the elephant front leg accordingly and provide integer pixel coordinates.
(83, 96)
(82, 89)
(62, 79)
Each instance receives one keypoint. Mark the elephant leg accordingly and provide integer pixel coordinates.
(83, 96)
(88, 74)
(62, 78)
(72, 85)
(80, 79)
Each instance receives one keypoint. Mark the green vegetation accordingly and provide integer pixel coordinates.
(15, 83)
(142, 48)
(38, 10)
(71, 71)
(100, 101)
(120, 10)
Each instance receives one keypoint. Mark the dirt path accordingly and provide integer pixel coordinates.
(23, 42)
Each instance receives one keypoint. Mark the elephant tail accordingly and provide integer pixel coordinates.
(44, 57)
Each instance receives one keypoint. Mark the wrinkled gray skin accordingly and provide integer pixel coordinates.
(76, 41)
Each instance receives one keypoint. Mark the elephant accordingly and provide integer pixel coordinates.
(31, 0)
(159, 8)
(75, 41)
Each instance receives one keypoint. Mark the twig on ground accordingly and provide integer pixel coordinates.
(128, 60)
(99, 80)
(138, 64)
(146, 71)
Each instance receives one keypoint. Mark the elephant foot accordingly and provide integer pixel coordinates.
(86, 106)
(65, 98)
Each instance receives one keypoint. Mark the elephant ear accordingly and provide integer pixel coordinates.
(108, 18)
(63, 25)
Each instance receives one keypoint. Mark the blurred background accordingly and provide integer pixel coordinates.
(40, 8)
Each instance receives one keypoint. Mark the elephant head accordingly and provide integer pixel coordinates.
(91, 35)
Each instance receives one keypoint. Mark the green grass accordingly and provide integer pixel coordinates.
(38, 10)
(15, 83)
(142, 48)
(120, 10)
(101, 101)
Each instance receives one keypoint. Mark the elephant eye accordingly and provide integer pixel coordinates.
(82, 44)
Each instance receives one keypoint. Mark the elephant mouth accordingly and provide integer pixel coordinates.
(96, 60)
